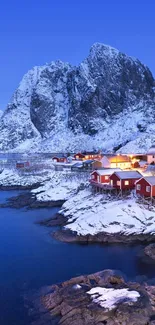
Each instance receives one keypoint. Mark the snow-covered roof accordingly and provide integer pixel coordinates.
(89, 161)
(128, 174)
(78, 165)
(107, 171)
(151, 151)
(59, 155)
(150, 179)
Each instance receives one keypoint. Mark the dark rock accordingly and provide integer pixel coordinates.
(19, 187)
(73, 306)
(56, 220)
(29, 200)
(72, 237)
(150, 251)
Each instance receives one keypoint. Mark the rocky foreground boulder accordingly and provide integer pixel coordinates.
(103, 298)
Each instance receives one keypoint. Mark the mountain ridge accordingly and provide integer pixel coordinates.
(107, 102)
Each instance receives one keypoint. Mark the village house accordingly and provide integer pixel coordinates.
(79, 156)
(151, 156)
(87, 156)
(124, 179)
(102, 175)
(59, 159)
(77, 167)
(118, 161)
(22, 164)
(145, 186)
(91, 164)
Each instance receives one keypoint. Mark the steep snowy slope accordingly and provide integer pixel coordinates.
(106, 102)
(1, 113)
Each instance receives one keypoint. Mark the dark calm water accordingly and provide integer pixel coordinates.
(30, 259)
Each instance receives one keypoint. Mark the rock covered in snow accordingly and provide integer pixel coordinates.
(61, 186)
(122, 303)
(11, 178)
(100, 218)
(106, 102)
(109, 298)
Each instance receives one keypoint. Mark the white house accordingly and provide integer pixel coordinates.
(117, 161)
(151, 155)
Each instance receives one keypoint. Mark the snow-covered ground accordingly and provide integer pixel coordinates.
(11, 177)
(94, 213)
(109, 298)
(61, 186)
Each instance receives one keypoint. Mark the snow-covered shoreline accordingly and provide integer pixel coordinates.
(11, 178)
(87, 216)
(94, 213)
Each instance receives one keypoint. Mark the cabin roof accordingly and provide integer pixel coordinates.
(119, 158)
(149, 179)
(151, 151)
(78, 165)
(89, 161)
(59, 155)
(128, 174)
(106, 171)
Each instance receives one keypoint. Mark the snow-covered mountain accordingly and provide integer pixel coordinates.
(1, 113)
(107, 102)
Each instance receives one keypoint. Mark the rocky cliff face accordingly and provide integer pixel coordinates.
(107, 102)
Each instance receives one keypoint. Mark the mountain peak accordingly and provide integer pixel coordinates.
(104, 103)
(103, 49)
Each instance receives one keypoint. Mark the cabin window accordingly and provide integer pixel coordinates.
(147, 188)
(92, 176)
(106, 178)
(118, 183)
(126, 182)
(77, 157)
(87, 157)
(138, 187)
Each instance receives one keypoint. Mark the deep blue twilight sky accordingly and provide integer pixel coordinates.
(35, 32)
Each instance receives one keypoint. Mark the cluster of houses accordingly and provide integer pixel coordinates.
(115, 172)
(110, 172)
(117, 179)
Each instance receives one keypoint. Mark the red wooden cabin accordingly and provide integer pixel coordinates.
(59, 159)
(87, 156)
(145, 186)
(124, 179)
(22, 164)
(102, 175)
(79, 156)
